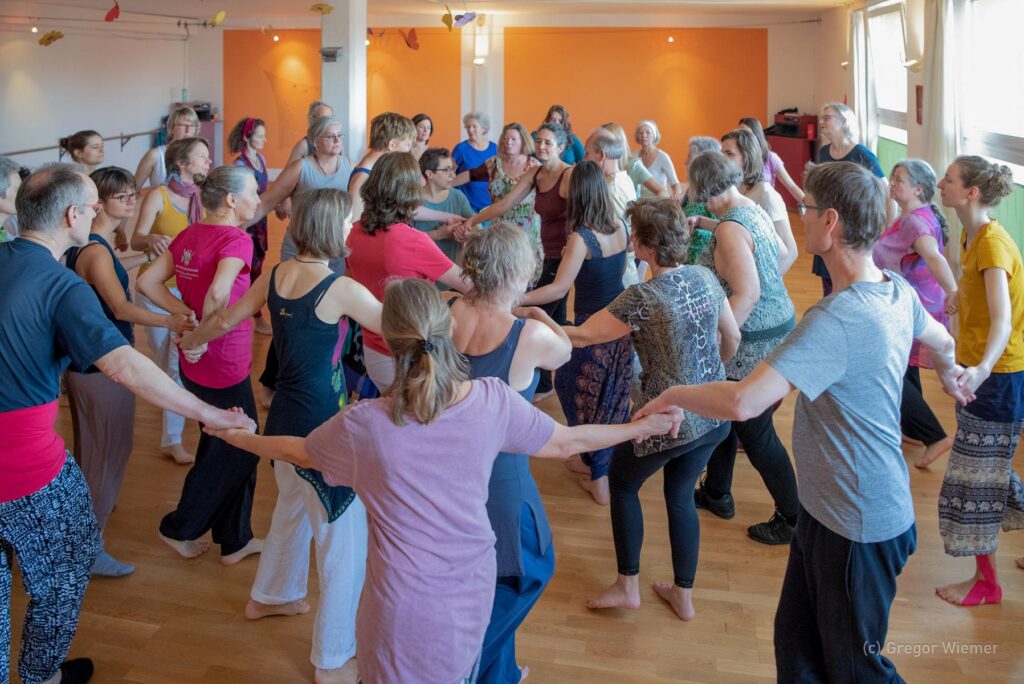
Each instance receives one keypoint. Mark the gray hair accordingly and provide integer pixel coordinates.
(7, 167)
(480, 118)
(699, 144)
(43, 199)
(319, 127)
(497, 259)
(311, 116)
(222, 181)
(561, 137)
(711, 174)
(850, 126)
(655, 133)
(855, 194)
(607, 143)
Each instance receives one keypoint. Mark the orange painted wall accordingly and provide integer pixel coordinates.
(271, 81)
(407, 81)
(700, 84)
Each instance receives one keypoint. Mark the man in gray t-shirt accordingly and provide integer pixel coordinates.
(847, 356)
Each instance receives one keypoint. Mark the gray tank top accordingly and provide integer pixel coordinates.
(312, 178)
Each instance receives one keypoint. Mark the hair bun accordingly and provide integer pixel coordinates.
(63, 144)
(200, 179)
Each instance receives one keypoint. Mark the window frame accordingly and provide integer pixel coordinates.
(891, 117)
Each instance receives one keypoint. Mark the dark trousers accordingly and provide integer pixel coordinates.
(218, 490)
(555, 309)
(917, 420)
(833, 613)
(514, 597)
(627, 474)
(53, 534)
(766, 453)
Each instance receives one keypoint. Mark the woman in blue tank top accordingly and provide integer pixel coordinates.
(594, 386)
(308, 304)
(499, 263)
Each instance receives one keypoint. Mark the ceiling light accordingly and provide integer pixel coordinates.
(671, 39)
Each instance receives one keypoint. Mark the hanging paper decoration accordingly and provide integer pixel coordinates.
(321, 8)
(410, 38)
(463, 19)
(218, 19)
(447, 18)
(113, 13)
(50, 38)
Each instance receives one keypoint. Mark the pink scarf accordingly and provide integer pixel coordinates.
(195, 205)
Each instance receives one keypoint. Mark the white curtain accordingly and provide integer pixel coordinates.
(862, 87)
(942, 71)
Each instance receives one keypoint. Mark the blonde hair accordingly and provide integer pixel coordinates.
(994, 181)
(317, 220)
(221, 182)
(391, 126)
(655, 133)
(619, 132)
(416, 324)
(496, 259)
(528, 146)
(186, 113)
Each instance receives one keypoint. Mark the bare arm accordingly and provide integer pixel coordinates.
(96, 267)
(219, 293)
(655, 188)
(552, 347)
(567, 441)
(142, 377)
(225, 320)
(153, 284)
(734, 262)
(289, 449)
(928, 248)
(943, 347)
(453, 279)
(572, 261)
(424, 213)
(788, 253)
(141, 239)
(516, 195)
(145, 168)
(728, 333)
(346, 297)
(787, 182)
(280, 190)
(298, 152)
(997, 296)
(599, 328)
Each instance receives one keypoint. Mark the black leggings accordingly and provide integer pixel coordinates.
(555, 309)
(627, 474)
(917, 420)
(766, 453)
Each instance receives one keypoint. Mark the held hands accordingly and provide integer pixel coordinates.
(952, 303)
(657, 424)
(158, 244)
(461, 228)
(183, 323)
(968, 380)
(120, 240)
(231, 425)
(662, 406)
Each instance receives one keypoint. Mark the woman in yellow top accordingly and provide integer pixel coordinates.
(980, 491)
(166, 211)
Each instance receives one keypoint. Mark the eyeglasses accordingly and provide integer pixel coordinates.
(95, 207)
(445, 169)
(332, 138)
(830, 117)
(802, 208)
(125, 197)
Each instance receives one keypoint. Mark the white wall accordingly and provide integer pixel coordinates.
(109, 84)
(831, 81)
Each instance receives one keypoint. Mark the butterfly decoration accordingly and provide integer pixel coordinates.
(50, 37)
(447, 18)
(321, 8)
(463, 19)
(218, 19)
(410, 38)
(113, 13)
(458, 20)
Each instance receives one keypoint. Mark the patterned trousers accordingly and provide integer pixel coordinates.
(980, 492)
(54, 534)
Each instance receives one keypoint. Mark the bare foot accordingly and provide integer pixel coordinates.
(178, 453)
(263, 326)
(346, 674)
(576, 465)
(624, 593)
(933, 452)
(911, 441)
(973, 592)
(1020, 562)
(254, 610)
(265, 395)
(254, 546)
(190, 548)
(679, 598)
(524, 672)
(598, 489)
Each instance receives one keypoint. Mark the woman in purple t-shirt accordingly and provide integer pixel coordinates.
(210, 261)
(912, 246)
(420, 458)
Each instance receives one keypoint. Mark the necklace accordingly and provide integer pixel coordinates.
(314, 261)
(322, 170)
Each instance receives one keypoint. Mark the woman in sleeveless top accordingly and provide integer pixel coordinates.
(498, 344)
(166, 211)
(594, 386)
(182, 123)
(246, 140)
(748, 267)
(675, 320)
(389, 132)
(550, 183)
(102, 411)
(514, 159)
(308, 304)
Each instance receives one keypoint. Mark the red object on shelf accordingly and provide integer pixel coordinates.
(795, 154)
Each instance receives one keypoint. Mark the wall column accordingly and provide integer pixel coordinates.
(343, 83)
(483, 85)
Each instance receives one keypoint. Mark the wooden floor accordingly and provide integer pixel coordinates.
(175, 620)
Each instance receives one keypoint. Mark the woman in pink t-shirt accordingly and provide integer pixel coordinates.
(383, 245)
(211, 260)
(420, 458)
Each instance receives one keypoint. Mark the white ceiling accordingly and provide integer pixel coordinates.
(243, 9)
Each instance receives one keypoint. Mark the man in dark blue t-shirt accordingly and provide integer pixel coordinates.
(48, 318)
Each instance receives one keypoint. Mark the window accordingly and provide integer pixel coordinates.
(887, 43)
(991, 96)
